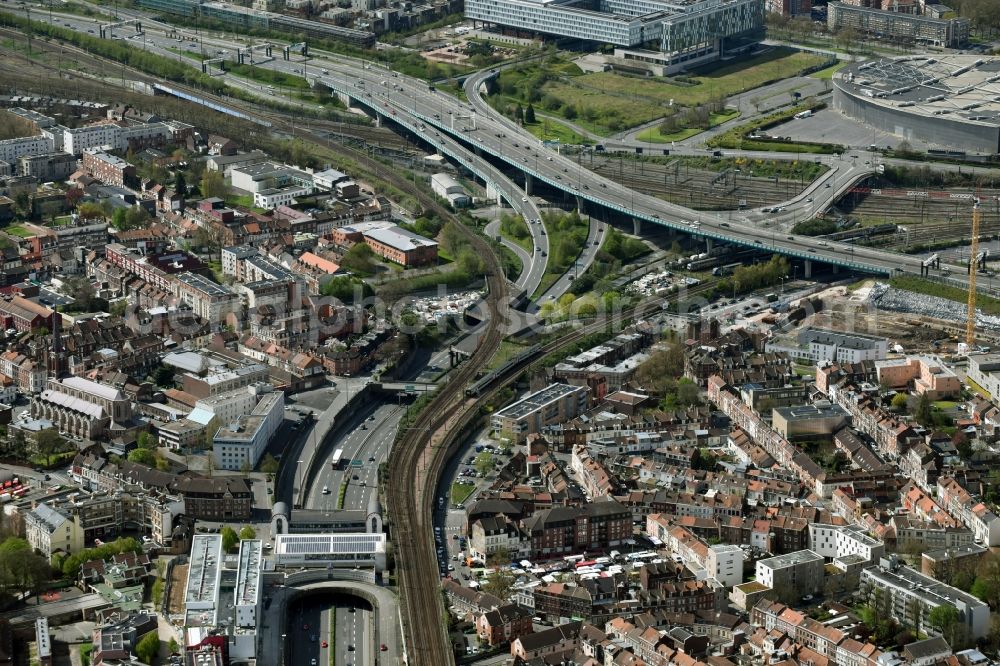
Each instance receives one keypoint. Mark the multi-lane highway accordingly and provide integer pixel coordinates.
(466, 132)
(331, 623)
(155, 39)
(365, 444)
(498, 138)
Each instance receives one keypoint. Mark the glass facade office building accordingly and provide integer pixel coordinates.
(674, 29)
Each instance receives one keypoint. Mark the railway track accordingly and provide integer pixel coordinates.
(444, 427)
(420, 455)
(698, 190)
(370, 135)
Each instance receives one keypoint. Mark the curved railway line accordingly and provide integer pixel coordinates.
(438, 428)
(377, 136)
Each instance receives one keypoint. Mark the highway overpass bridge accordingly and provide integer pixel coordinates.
(417, 107)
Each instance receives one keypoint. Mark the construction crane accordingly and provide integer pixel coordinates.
(970, 321)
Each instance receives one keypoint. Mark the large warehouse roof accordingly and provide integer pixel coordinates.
(953, 87)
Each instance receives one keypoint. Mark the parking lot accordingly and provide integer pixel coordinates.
(830, 126)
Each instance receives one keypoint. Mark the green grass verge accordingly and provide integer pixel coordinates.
(547, 281)
(19, 231)
(454, 278)
(269, 76)
(515, 229)
(654, 135)
(737, 137)
(506, 352)
(607, 102)
(341, 494)
(547, 129)
(85, 650)
(988, 304)
(193, 55)
(512, 264)
(827, 74)
(461, 491)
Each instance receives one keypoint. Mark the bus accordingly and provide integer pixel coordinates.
(337, 457)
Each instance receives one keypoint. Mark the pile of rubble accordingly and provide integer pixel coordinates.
(899, 300)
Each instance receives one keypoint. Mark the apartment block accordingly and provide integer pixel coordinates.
(107, 168)
(209, 300)
(47, 166)
(920, 374)
(593, 526)
(792, 575)
(11, 150)
(50, 531)
(839, 541)
(819, 345)
(816, 421)
(912, 596)
(984, 370)
(242, 442)
(555, 404)
(892, 25)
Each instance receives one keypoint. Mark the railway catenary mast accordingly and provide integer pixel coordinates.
(970, 321)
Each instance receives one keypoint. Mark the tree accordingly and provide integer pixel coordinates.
(213, 184)
(173, 646)
(22, 201)
(946, 619)
(899, 401)
(90, 210)
(180, 185)
(687, 392)
(519, 114)
(157, 592)
(146, 440)
(73, 196)
(147, 647)
(49, 442)
(499, 583)
(118, 218)
(230, 539)
(247, 533)
(164, 376)
(484, 463)
(924, 411)
(269, 465)
(660, 371)
(359, 259)
(135, 218)
(143, 457)
(529, 115)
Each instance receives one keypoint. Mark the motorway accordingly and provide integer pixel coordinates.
(154, 39)
(505, 141)
(318, 625)
(460, 127)
(366, 440)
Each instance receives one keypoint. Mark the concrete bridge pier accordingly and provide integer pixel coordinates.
(581, 205)
(529, 184)
(708, 245)
(636, 226)
(807, 271)
(835, 268)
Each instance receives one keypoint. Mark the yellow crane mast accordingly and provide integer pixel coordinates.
(970, 321)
